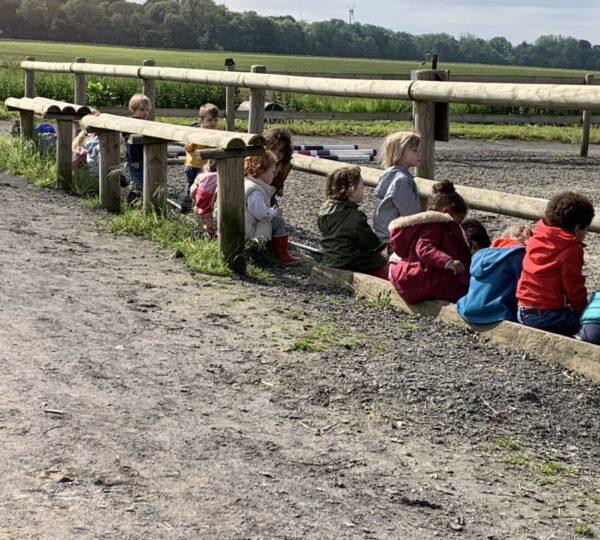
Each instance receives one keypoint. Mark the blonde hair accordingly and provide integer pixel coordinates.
(256, 165)
(208, 109)
(137, 101)
(517, 232)
(395, 144)
(341, 183)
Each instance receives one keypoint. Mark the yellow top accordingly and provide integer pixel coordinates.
(190, 156)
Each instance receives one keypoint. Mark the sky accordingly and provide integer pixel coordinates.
(516, 20)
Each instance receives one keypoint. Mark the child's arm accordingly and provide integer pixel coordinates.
(405, 196)
(427, 249)
(367, 239)
(573, 280)
(259, 210)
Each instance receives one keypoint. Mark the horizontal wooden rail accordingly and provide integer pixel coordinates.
(486, 200)
(41, 106)
(519, 95)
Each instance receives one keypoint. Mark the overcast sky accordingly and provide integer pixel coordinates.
(517, 20)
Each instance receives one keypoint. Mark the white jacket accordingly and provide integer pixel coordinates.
(258, 213)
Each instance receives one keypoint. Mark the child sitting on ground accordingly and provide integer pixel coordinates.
(203, 194)
(348, 241)
(262, 220)
(279, 141)
(396, 192)
(139, 107)
(551, 293)
(590, 321)
(208, 118)
(85, 149)
(434, 253)
(495, 272)
(476, 234)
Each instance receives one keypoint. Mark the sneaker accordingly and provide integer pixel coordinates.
(186, 205)
(134, 197)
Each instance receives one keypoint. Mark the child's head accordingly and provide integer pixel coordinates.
(210, 166)
(401, 148)
(262, 167)
(476, 234)
(279, 141)
(446, 199)
(517, 232)
(570, 211)
(208, 114)
(140, 106)
(345, 184)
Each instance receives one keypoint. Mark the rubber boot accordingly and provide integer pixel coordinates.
(279, 245)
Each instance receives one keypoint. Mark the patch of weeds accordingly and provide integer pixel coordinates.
(408, 326)
(84, 183)
(241, 298)
(517, 459)
(504, 443)
(381, 301)
(294, 314)
(323, 336)
(24, 158)
(90, 202)
(583, 529)
(595, 498)
(286, 381)
(555, 468)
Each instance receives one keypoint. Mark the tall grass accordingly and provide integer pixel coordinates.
(25, 159)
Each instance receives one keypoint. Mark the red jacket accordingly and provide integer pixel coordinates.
(426, 242)
(551, 277)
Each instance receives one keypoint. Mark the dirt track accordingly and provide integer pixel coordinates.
(184, 412)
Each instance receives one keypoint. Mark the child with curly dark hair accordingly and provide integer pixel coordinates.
(348, 241)
(551, 292)
(279, 141)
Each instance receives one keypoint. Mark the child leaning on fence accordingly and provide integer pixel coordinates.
(551, 293)
(396, 193)
(208, 118)
(262, 220)
(85, 149)
(347, 238)
(139, 107)
(203, 192)
(433, 252)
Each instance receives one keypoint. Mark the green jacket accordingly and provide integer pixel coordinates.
(348, 240)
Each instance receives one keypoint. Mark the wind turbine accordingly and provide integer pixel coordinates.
(351, 13)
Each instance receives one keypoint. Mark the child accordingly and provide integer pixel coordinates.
(139, 107)
(208, 118)
(551, 293)
(396, 193)
(86, 150)
(590, 321)
(476, 234)
(279, 141)
(203, 193)
(434, 253)
(262, 220)
(348, 240)
(494, 274)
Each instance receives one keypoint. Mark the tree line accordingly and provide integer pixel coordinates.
(202, 24)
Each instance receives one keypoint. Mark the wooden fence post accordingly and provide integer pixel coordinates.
(109, 185)
(26, 124)
(64, 135)
(230, 98)
(150, 89)
(256, 112)
(424, 125)
(232, 227)
(79, 84)
(29, 79)
(586, 122)
(155, 178)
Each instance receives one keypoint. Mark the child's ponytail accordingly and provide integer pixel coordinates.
(445, 196)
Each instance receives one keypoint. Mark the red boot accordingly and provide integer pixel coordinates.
(280, 249)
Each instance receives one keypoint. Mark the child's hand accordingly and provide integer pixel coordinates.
(135, 165)
(456, 266)
(279, 192)
(278, 211)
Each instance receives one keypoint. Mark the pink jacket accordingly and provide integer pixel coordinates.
(426, 242)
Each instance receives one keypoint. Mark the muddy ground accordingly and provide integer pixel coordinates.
(141, 401)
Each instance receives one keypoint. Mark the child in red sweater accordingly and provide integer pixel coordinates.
(551, 292)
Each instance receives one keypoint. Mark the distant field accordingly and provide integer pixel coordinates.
(11, 51)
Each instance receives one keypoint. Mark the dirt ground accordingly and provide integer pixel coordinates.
(141, 401)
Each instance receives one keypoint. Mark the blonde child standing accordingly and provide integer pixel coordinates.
(263, 220)
(208, 118)
(396, 192)
(139, 107)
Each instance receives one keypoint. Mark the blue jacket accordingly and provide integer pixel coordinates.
(491, 297)
(591, 313)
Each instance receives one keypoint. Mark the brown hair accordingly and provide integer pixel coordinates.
(210, 165)
(137, 101)
(476, 233)
(280, 137)
(445, 196)
(395, 144)
(341, 183)
(208, 109)
(569, 209)
(256, 165)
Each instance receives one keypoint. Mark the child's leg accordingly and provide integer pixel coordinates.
(136, 177)
(590, 332)
(560, 321)
(381, 272)
(208, 224)
(279, 242)
(190, 176)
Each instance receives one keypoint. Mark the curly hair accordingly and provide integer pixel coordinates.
(445, 196)
(280, 137)
(476, 233)
(341, 183)
(569, 209)
(395, 144)
(256, 165)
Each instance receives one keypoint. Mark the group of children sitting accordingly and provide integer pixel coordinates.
(531, 277)
(534, 278)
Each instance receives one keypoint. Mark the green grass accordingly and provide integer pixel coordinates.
(324, 336)
(583, 529)
(23, 158)
(556, 468)
(517, 459)
(381, 301)
(407, 326)
(504, 443)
